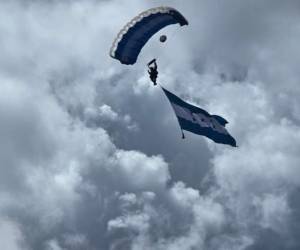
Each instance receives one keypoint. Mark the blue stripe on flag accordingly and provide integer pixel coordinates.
(199, 121)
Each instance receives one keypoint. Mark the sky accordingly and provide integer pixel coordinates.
(91, 155)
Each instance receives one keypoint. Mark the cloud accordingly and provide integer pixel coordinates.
(10, 235)
(91, 154)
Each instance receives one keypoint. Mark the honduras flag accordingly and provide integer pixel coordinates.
(198, 121)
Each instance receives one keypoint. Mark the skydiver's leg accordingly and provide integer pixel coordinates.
(153, 79)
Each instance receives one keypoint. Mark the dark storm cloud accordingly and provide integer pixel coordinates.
(91, 154)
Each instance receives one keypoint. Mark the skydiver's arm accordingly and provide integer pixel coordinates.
(152, 61)
(155, 65)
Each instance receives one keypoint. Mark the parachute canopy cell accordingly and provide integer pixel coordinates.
(135, 34)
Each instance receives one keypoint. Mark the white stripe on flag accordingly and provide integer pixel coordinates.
(182, 112)
(198, 118)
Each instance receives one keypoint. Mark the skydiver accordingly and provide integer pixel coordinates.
(152, 70)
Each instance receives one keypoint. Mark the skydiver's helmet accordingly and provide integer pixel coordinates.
(163, 38)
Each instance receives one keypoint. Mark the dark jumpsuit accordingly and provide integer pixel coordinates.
(153, 71)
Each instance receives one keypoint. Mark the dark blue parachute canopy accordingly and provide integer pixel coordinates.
(132, 38)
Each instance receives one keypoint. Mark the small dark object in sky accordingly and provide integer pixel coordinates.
(163, 38)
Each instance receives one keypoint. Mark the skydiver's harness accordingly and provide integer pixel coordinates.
(153, 71)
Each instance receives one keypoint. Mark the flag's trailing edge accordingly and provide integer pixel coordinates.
(199, 121)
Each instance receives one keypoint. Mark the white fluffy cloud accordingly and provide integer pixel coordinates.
(91, 155)
(10, 235)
